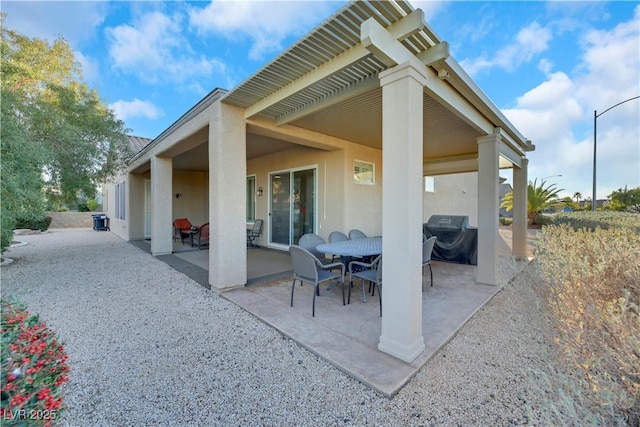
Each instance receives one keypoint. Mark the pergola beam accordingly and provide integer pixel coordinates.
(403, 28)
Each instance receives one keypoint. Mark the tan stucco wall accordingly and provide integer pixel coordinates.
(341, 203)
(456, 194)
(193, 203)
(363, 203)
(193, 186)
(135, 206)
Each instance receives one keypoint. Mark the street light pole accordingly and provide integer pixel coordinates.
(595, 126)
(551, 176)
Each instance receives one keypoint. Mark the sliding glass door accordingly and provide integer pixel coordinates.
(292, 205)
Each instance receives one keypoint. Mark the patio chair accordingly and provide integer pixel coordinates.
(254, 232)
(310, 241)
(308, 268)
(337, 236)
(356, 234)
(371, 272)
(201, 237)
(427, 249)
(181, 229)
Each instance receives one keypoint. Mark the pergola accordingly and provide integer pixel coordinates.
(373, 74)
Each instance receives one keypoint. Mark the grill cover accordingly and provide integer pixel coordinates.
(457, 241)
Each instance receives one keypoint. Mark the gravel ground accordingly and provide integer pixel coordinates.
(149, 346)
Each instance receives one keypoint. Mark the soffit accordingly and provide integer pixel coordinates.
(197, 158)
(359, 119)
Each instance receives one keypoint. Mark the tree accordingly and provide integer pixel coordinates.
(577, 195)
(622, 200)
(539, 198)
(21, 173)
(57, 135)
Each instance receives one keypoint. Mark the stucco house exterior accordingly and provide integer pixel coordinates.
(337, 132)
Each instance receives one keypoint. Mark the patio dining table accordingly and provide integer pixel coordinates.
(358, 247)
(346, 249)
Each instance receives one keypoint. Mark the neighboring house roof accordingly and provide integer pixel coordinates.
(138, 143)
(504, 189)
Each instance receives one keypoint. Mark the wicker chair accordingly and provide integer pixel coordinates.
(181, 229)
(201, 238)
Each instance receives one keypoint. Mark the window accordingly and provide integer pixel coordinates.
(363, 172)
(429, 184)
(251, 198)
(120, 201)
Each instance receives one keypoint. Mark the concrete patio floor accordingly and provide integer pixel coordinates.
(347, 336)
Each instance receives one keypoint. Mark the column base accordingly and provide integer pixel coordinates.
(406, 353)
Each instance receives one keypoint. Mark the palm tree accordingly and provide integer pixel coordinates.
(577, 195)
(539, 198)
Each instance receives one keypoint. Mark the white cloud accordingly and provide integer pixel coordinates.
(265, 23)
(90, 67)
(610, 64)
(154, 49)
(130, 109)
(530, 41)
(557, 115)
(48, 20)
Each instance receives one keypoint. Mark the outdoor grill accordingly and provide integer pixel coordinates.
(457, 241)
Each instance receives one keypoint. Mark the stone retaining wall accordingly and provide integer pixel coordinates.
(71, 219)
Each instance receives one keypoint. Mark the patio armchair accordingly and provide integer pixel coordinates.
(337, 236)
(356, 234)
(181, 229)
(427, 250)
(371, 272)
(310, 242)
(308, 268)
(201, 237)
(254, 232)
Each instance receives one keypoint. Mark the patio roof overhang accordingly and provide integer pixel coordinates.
(328, 82)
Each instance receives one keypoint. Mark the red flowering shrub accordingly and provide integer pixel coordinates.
(34, 366)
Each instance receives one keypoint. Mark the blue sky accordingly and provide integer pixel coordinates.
(547, 65)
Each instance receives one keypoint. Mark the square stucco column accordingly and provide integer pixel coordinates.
(136, 210)
(488, 208)
(161, 211)
(227, 198)
(402, 89)
(519, 225)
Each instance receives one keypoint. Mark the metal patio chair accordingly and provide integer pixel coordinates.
(371, 272)
(254, 232)
(427, 250)
(308, 268)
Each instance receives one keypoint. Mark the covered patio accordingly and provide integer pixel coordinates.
(373, 85)
(347, 336)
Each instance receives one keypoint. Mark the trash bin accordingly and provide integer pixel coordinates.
(100, 222)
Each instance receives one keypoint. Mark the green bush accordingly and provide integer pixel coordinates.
(504, 220)
(41, 223)
(590, 281)
(6, 233)
(82, 207)
(92, 204)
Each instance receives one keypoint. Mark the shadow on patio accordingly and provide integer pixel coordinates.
(347, 336)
